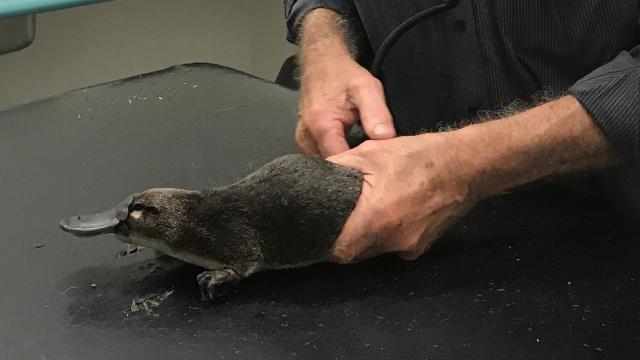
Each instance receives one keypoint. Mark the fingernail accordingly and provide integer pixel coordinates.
(382, 130)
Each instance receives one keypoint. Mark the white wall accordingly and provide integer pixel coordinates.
(94, 44)
(269, 48)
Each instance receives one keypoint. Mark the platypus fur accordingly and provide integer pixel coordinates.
(286, 214)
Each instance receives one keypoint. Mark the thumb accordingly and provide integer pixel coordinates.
(374, 113)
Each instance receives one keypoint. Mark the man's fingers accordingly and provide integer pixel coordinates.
(330, 137)
(350, 245)
(304, 140)
(372, 107)
(333, 144)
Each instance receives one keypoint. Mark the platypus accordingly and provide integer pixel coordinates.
(286, 214)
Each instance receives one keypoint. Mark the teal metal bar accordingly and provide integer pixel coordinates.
(10, 8)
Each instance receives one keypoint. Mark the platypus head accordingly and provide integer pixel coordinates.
(162, 219)
(159, 218)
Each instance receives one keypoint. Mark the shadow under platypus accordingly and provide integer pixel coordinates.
(286, 214)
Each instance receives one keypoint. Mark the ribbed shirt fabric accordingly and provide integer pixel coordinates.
(485, 54)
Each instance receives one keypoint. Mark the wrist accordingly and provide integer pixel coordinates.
(324, 55)
(484, 160)
(322, 37)
(451, 155)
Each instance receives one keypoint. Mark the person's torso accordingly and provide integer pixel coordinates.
(485, 54)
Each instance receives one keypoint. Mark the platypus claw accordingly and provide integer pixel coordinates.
(216, 283)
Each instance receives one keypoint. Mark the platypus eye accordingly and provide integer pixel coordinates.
(145, 209)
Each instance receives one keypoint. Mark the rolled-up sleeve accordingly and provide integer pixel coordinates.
(295, 10)
(611, 94)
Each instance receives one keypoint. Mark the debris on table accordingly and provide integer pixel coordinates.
(38, 246)
(147, 303)
(68, 289)
(128, 251)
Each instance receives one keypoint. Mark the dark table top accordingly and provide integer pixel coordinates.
(545, 273)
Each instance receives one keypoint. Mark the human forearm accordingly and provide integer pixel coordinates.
(322, 37)
(417, 186)
(555, 138)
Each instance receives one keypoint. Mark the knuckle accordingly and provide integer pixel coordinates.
(365, 82)
(311, 114)
(331, 132)
(316, 130)
(324, 125)
(316, 120)
(367, 146)
(376, 84)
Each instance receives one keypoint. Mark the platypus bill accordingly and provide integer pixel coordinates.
(286, 214)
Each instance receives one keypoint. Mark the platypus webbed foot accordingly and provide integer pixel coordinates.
(217, 283)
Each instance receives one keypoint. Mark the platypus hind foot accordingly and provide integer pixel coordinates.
(216, 283)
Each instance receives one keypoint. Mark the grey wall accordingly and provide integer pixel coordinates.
(267, 33)
(94, 44)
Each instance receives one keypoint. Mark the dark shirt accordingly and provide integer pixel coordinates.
(485, 54)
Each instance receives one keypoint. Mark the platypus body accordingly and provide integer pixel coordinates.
(286, 214)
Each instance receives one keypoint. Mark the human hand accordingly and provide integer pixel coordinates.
(335, 91)
(413, 189)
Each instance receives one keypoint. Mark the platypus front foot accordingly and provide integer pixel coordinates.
(216, 283)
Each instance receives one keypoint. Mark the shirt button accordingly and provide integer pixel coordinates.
(460, 25)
